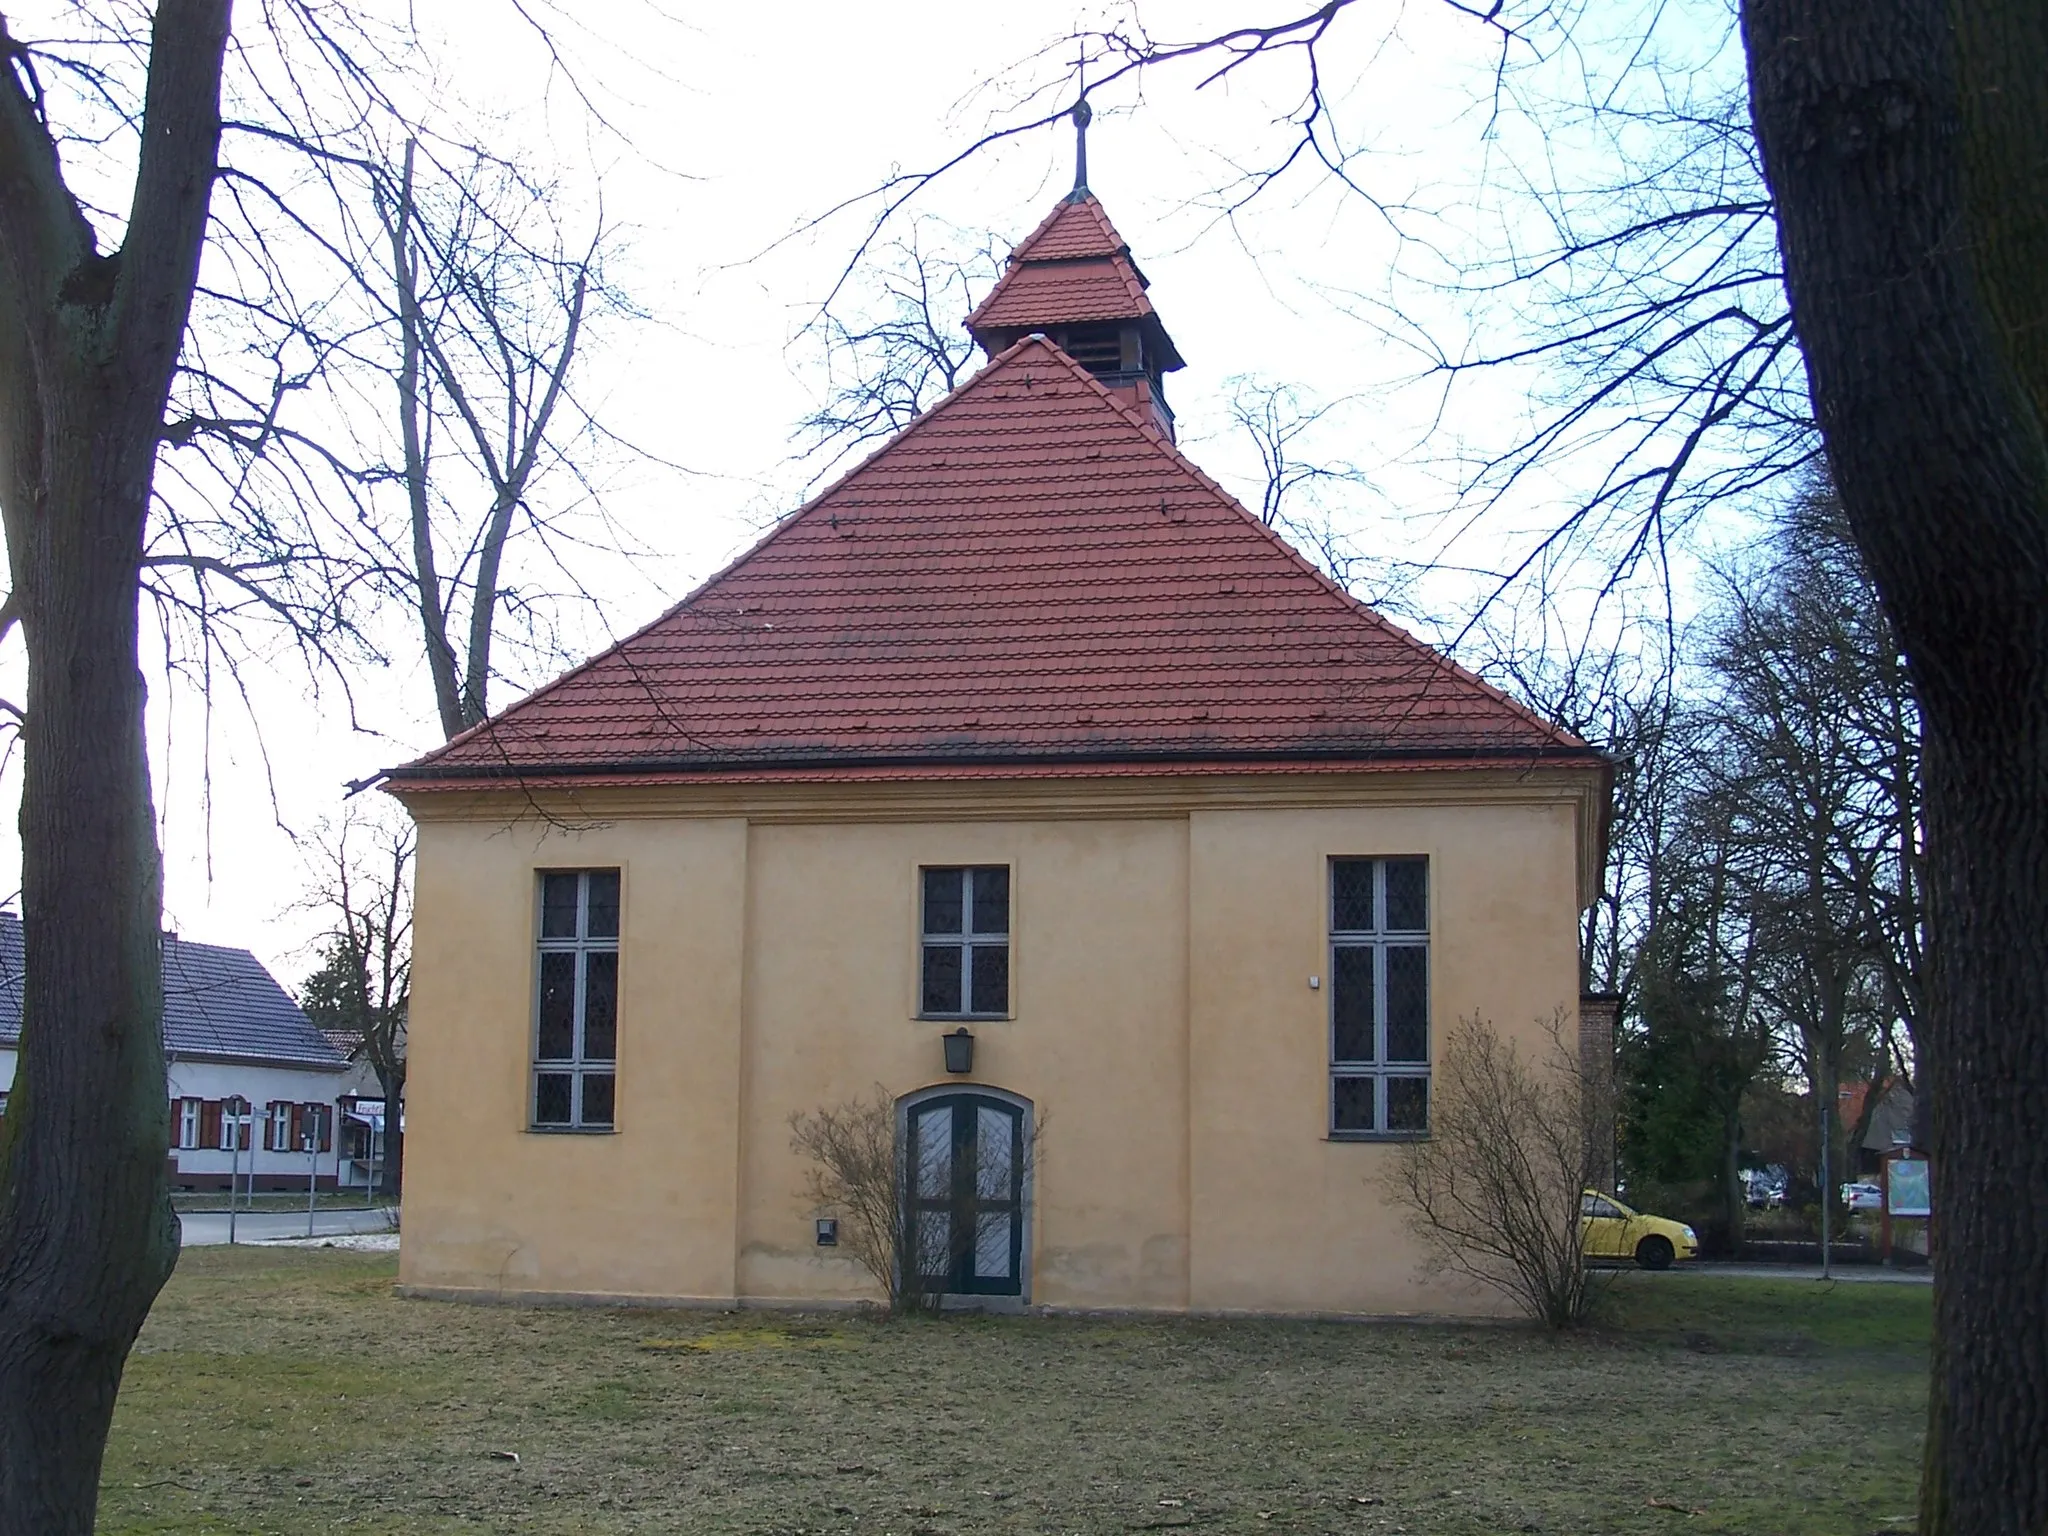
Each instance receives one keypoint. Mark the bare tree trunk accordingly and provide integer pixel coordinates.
(87, 347)
(411, 411)
(1734, 1197)
(1903, 142)
(391, 1171)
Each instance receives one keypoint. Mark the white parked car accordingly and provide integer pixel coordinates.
(1863, 1197)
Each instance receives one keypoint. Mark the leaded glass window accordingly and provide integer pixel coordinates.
(576, 1001)
(964, 970)
(1379, 997)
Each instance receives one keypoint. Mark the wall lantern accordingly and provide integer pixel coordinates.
(959, 1050)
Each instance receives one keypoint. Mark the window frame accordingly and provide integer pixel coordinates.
(237, 1126)
(191, 1117)
(577, 1066)
(967, 940)
(1378, 940)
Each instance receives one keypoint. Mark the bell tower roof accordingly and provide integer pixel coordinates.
(1074, 269)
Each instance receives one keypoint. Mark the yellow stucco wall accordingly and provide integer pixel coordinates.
(1163, 1027)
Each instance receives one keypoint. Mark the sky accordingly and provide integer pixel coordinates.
(725, 136)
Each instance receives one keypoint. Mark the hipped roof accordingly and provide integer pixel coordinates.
(1029, 578)
(1074, 269)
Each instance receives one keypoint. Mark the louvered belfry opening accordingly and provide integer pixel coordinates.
(1098, 348)
(1073, 281)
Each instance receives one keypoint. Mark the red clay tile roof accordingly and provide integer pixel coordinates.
(1062, 293)
(1027, 578)
(1076, 227)
(1072, 270)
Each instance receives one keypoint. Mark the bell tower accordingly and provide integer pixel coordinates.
(1073, 281)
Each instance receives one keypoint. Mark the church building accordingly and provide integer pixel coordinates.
(1023, 778)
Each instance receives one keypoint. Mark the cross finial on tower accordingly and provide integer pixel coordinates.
(1082, 115)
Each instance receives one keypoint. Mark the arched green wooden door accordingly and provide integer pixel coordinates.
(965, 1160)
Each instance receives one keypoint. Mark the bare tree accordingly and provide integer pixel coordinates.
(1493, 1192)
(362, 892)
(892, 353)
(1816, 736)
(98, 375)
(89, 339)
(488, 301)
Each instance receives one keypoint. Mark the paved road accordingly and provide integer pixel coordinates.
(203, 1228)
(1856, 1274)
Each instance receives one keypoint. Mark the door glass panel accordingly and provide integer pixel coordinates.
(992, 900)
(1407, 895)
(1351, 896)
(1407, 1103)
(942, 979)
(1407, 1003)
(935, 1244)
(935, 1153)
(1351, 1104)
(600, 1007)
(994, 1142)
(942, 908)
(1351, 1005)
(991, 979)
(992, 1245)
(557, 1006)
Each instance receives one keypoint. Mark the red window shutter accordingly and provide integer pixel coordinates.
(209, 1122)
(177, 1106)
(326, 1122)
(268, 1110)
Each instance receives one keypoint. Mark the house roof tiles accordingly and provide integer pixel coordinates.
(1074, 269)
(1028, 576)
(218, 1002)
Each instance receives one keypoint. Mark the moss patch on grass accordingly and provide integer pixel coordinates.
(290, 1392)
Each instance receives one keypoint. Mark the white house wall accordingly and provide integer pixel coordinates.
(261, 1086)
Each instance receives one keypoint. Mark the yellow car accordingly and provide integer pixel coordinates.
(1613, 1231)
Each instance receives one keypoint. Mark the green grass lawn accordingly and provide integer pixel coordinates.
(288, 1391)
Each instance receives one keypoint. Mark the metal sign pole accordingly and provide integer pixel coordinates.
(234, 1160)
(312, 1163)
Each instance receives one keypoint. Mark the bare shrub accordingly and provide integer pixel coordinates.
(1493, 1193)
(856, 1169)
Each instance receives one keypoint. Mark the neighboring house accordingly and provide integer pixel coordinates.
(1023, 731)
(1891, 1122)
(230, 1033)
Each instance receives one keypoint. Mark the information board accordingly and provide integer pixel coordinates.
(1907, 1190)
